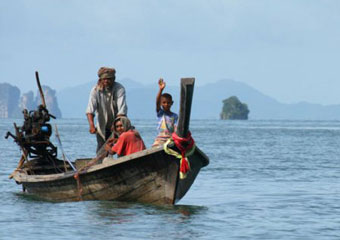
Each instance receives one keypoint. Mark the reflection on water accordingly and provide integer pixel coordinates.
(25, 196)
(115, 212)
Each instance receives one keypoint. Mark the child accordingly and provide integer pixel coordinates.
(167, 120)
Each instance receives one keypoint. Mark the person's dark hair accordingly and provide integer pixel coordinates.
(167, 95)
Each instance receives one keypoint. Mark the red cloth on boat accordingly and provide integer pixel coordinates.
(128, 142)
(183, 144)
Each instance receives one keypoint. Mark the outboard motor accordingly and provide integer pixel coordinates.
(33, 137)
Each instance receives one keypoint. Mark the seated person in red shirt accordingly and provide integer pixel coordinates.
(129, 140)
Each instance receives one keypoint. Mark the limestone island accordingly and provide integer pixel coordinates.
(233, 109)
(12, 102)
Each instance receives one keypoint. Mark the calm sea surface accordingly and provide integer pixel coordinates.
(265, 180)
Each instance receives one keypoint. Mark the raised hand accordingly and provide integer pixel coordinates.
(161, 84)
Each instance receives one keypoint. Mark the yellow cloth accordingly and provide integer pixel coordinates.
(178, 155)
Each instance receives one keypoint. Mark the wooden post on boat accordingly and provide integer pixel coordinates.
(40, 89)
(187, 91)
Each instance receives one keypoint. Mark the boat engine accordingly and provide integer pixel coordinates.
(33, 136)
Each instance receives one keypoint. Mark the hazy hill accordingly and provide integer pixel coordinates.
(73, 101)
(207, 102)
(12, 102)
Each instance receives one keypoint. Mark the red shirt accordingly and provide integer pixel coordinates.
(128, 142)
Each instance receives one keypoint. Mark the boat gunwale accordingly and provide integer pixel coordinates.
(57, 176)
(20, 176)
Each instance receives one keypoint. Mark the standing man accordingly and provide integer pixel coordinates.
(107, 100)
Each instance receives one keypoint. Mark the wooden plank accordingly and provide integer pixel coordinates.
(40, 89)
(147, 177)
(142, 180)
(187, 92)
(184, 184)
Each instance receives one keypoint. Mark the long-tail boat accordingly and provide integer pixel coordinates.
(150, 176)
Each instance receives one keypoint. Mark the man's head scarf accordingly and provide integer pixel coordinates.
(105, 72)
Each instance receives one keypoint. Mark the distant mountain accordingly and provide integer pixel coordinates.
(9, 101)
(73, 100)
(261, 106)
(207, 102)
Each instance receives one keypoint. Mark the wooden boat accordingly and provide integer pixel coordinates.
(150, 176)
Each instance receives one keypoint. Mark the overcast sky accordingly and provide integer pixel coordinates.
(288, 49)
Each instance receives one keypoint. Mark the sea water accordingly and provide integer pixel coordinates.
(266, 180)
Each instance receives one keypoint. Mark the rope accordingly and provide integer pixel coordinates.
(84, 169)
(79, 186)
(187, 148)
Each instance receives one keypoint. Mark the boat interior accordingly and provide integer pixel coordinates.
(40, 166)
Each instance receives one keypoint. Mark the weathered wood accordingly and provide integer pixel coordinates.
(187, 91)
(20, 164)
(24, 152)
(149, 176)
(40, 89)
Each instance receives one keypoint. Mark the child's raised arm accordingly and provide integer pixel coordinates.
(161, 85)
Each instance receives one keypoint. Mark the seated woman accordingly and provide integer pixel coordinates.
(129, 140)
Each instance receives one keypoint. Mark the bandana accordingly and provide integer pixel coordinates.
(105, 72)
(125, 122)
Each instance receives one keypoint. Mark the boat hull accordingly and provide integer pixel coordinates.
(149, 176)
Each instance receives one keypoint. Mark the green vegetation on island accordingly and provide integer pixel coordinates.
(233, 109)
